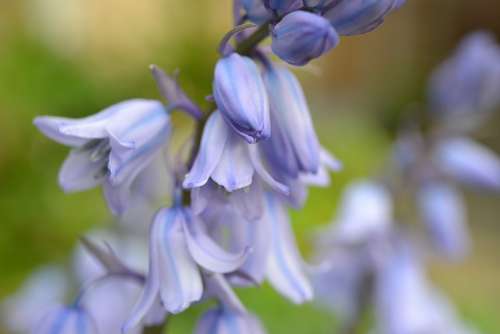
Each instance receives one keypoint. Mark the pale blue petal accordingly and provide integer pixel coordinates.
(263, 173)
(207, 253)
(118, 197)
(213, 143)
(291, 114)
(79, 172)
(143, 127)
(469, 162)
(284, 266)
(443, 212)
(151, 290)
(221, 321)
(234, 170)
(181, 283)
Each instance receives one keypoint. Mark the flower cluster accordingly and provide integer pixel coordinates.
(372, 257)
(254, 154)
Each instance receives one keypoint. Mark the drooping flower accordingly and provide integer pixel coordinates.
(241, 97)
(223, 321)
(227, 159)
(110, 148)
(353, 17)
(178, 245)
(418, 308)
(443, 211)
(366, 210)
(294, 146)
(66, 320)
(466, 86)
(302, 36)
(468, 162)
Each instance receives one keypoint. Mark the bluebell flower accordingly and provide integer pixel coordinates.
(223, 321)
(227, 159)
(66, 320)
(468, 162)
(466, 86)
(353, 17)
(282, 7)
(443, 212)
(302, 36)
(110, 148)
(418, 308)
(241, 97)
(256, 11)
(45, 289)
(178, 245)
(294, 146)
(356, 225)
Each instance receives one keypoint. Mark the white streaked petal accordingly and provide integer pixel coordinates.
(212, 146)
(284, 266)
(234, 170)
(181, 282)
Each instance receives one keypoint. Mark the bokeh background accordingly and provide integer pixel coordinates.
(74, 57)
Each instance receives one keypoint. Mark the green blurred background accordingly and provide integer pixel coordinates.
(74, 57)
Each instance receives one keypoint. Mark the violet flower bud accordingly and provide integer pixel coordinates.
(241, 97)
(256, 11)
(302, 36)
(282, 7)
(353, 17)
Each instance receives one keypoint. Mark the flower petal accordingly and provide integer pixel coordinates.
(135, 137)
(117, 197)
(284, 263)
(207, 253)
(234, 170)
(215, 136)
(469, 162)
(181, 283)
(79, 172)
(263, 173)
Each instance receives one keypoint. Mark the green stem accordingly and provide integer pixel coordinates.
(248, 45)
(155, 329)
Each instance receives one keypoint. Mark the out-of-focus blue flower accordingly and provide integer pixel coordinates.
(366, 210)
(223, 321)
(302, 36)
(241, 97)
(66, 320)
(443, 212)
(353, 17)
(282, 7)
(417, 307)
(178, 245)
(44, 290)
(256, 11)
(110, 148)
(467, 84)
(294, 146)
(468, 162)
(227, 159)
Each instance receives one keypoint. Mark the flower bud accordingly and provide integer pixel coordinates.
(302, 36)
(241, 97)
(256, 11)
(282, 7)
(353, 17)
